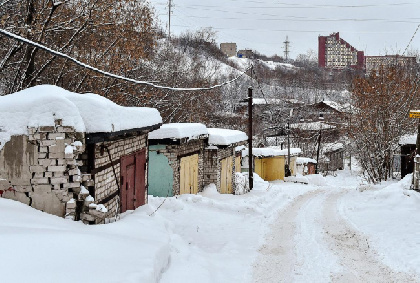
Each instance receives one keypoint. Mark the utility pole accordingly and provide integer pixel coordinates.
(286, 48)
(250, 157)
(170, 11)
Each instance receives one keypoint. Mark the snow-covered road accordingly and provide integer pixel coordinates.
(311, 241)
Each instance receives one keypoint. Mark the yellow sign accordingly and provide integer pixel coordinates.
(415, 114)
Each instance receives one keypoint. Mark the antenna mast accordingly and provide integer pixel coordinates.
(286, 48)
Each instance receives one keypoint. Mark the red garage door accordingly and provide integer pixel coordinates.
(133, 185)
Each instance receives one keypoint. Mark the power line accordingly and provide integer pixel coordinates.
(86, 66)
(411, 39)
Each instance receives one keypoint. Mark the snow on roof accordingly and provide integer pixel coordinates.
(293, 151)
(261, 101)
(219, 136)
(305, 160)
(338, 106)
(271, 151)
(179, 131)
(312, 126)
(408, 139)
(90, 113)
(331, 147)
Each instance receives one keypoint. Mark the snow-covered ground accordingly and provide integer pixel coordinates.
(338, 230)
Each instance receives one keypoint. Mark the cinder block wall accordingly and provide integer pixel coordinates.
(42, 169)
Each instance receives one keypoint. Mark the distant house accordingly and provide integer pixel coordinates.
(78, 156)
(223, 158)
(229, 49)
(408, 148)
(327, 111)
(332, 157)
(246, 53)
(176, 159)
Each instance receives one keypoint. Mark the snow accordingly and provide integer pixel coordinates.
(212, 237)
(408, 139)
(271, 151)
(311, 126)
(331, 147)
(219, 136)
(179, 131)
(346, 108)
(90, 113)
(305, 160)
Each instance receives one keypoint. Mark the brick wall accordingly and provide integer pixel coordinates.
(175, 152)
(105, 180)
(213, 166)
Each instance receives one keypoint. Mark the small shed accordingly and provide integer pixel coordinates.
(223, 158)
(269, 162)
(408, 149)
(78, 156)
(176, 159)
(333, 157)
(305, 165)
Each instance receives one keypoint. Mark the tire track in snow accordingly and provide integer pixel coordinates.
(360, 262)
(279, 258)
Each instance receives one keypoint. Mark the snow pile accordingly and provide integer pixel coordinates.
(311, 179)
(241, 183)
(389, 215)
(179, 131)
(408, 139)
(293, 150)
(90, 113)
(219, 136)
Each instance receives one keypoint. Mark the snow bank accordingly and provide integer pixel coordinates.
(90, 113)
(311, 179)
(39, 247)
(389, 215)
(408, 139)
(179, 131)
(219, 136)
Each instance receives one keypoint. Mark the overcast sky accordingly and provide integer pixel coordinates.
(377, 27)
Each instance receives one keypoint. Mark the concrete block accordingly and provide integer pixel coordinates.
(48, 174)
(44, 129)
(58, 174)
(31, 130)
(56, 147)
(42, 188)
(58, 155)
(59, 180)
(58, 168)
(74, 185)
(23, 189)
(61, 161)
(47, 162)
(47, 142)
(39, 181)
(37, 169)
(48, 202)
(43, 149)
(87, 217)
(40, 136)
(54, 136)
(17, 196)
(65, 129)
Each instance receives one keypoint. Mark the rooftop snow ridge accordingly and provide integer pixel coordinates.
(179, 131)
(218, 136)
(90, 113)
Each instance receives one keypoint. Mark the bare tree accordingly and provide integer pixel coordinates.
(381, 103)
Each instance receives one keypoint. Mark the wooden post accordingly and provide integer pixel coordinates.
(250, 157)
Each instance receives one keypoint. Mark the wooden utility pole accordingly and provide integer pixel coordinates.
(317, 151)
(250, 156)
